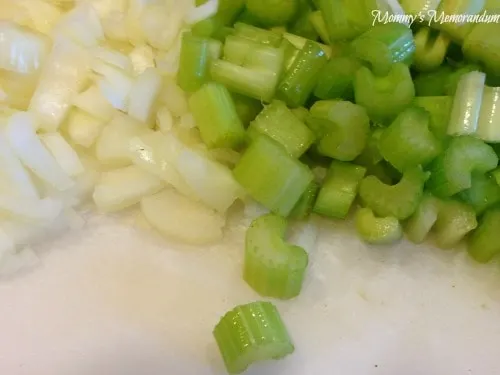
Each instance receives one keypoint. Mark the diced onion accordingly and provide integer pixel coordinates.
(83, 129)
(174, 98)
(115, 85)
(82, 24)
(94, 103)
(164, 120)
(142, 57)
(114, 58)
(202, 12)
(159, 29)
(64, 154)
(143, 95)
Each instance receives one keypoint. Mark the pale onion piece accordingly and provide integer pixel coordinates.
(180, 219)
(30, 209)
(106, 7)
(212, 183)
(167, 62)
(64, 154)
(112, 146)
(142, 57)
(7, 244)
(144, 94)
(94, 103)
(114, 58)
(304, 234)
(174, 98)
(161, 25)
(11, 264)
(34, 14)
(125, 187)
(82, 25)
(82, 128)
(190, 138)
(115, 85)
(18, 88)
(64, 75)
(164, 120)
(186, 121)
(21, 51)
(29, 149)
(115, 26)
(202, 12)
(135, 35)
(253, 210)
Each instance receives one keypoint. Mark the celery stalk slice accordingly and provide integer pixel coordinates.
(455, 220)
(377, 230)
(483, 245)
(421, 222)
(488, 127)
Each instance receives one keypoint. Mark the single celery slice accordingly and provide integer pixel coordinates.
(408, 142)
(430, 49)
(451, 171)
(336, 78)
(488, 127)
(433, 83)
(216, 117)
(400, 200)
(377, 230)
(421, 222)
(250, 54)
(247, 108)
(345, 20)
(342, 128)
(339, 189)
(456, 76)
(271, 176)
(273, 268)
(274, 12)
(384, 97)
(439, 109)
(280, 124)
(371, 153)
(299, 81)
(257, 34)
(306, 202)
(301, 113)
(467, 104)
(194, 62)
(482, 45)
(455, 220)
(483, 193)
(483, 245)
(251, 333)
(319, 24)
(299, 43)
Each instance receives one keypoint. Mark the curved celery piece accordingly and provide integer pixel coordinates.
(439, 110)
(272, 267)
(377, 230)
(384, 45)
(483, 193)
(451, 171)
(408, 142)
(339, 190)
(274, 12)
(430, 49)
(342, 128)
(488, 126)
(455, 220)
(482, 45)
(271, 176)
(336, 78)
(306, 202)
(251, 333)
(384, 97)
(421, 222)
(400, 200)
(483, 245)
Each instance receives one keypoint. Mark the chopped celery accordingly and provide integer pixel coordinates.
(384, 97)
(377, 230)
(273, 12)
(302, 25)
(194, 62)
(455, 220)
(216, 117)
(306, 202)
(483, 193)
(430, 49)
(456, 75)
(421, 222)
(271, 176)
(301, 113)
(433, 83)
(482, 45)
(318, 22)
(272, 267)
(299, 43)
(451, 171)
(408, 142)
(336, 78)
(339, 189)
(345, 19)
(298, 82)
(483, 245)
(250, 54)
(251, 333)
(400, 200)
(383, 171)
(280, 124)
(247, 108)
(257, 34)
(342, 128)
(371, 153)
(467, 104)
(488, 126)
(439, 109)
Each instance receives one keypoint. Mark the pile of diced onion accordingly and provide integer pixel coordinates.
(90, 111)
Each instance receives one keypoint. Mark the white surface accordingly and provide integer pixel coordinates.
(114, 299)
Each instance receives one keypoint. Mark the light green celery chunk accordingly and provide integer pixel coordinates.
(280, 124)
(377, 230)
(435, 83)
(194, 61)
(301, 113)
(455, 220)
(483, 245)
(272, 267)
(421, 222)
(454, 78)
(483, 193)
(371, 153)
(408, 142)
(335, 81)
(346, 19)
(451, 171)
(250, 54)
(271, 176)
(399, 200)
(339, 189)
(251, 333)
(306, 202)
(273, 12)
(439, 110)
(488, 127)
(257, 34)
(247, 108)
(430, 49)
(467, 104)
(299, 43)
(215, 114)
(319, 25)
(482, 45)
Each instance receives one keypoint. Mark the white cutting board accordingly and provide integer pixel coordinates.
(115, 299)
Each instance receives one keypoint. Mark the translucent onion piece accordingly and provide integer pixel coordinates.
(64, 154)
(202, 12)
(82, 24)
(143, 95)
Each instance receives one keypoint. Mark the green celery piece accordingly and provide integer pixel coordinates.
(227, 12)
(433, 83)
(215, 114)
(335, 80)
(483, 245)
(273, 12)
(400, 200)
(384, 45)
(339, 189)
(250, 54)
(377, 230)
(302, 25)
(346, 19)
(342, 128)
(482, 45)
(466, 106)
(301, 113)
(430, 49)
(258, 35)
(194, 62)
(299, 81)
(318, 23)
(279, 123)
(496, 175)
(483, 193)
(383, 171)
(272, 267)
(384, 97)
(455, 220)
(251, 333)
(408, 142)
(439, 109)
(451, 171)
(488, 128)
(247, 108)
(300, 42)
(290, 53)
(421, 222)
(271, 176)
(306, 202)
(371, 153)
